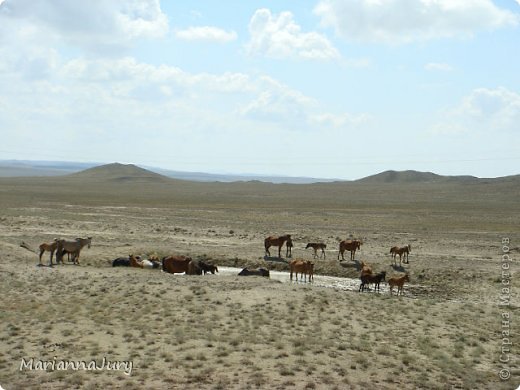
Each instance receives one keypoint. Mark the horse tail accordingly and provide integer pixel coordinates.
(162, 262)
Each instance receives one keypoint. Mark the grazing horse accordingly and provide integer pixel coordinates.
(176, 264)
(399, 282)
(194, 268)
(405, 250)
(351, 246)
(366, 279)
(316, 246)
(72, 247)
(49, 247)
(206, 268)
(254, 272)
(303, 267)
(276, 241)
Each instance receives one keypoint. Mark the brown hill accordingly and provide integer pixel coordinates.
(117, 172)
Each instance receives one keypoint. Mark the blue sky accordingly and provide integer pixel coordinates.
(324, 88)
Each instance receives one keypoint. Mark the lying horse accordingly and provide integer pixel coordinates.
(351, 246)
(135, 261)
(176, 264)
(399, 282)
(72, 247)
(254, 272)
(303, 267)
(316, 246)
(366, 279)
(121, 262)
(405, 250)
(276, 241)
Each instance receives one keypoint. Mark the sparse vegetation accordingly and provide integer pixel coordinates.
(220, 331)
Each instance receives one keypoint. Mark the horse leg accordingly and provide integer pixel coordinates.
(42, 251)
(267, 250)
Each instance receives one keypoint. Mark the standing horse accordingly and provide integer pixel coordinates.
(48, 247)
(276, 241)
(399, 282)
(72, 247)
(366, 279)
(405, 250)
(303, 267)
(351, 246)
(316, 246)
(289, 246)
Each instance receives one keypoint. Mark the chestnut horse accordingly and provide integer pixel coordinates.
(399, 282)
(316, 246)
(276, 241)
(303, 267)
(349, 245)
(405, 250)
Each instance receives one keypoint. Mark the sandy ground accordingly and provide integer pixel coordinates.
(223, 331)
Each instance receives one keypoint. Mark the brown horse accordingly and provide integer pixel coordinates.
(316, 246)
(351, 246)
(135, 261)
(365, 269)
(276, 241)
(303, 267)
(176, 264)
(401, 251)
(399, 282)
(48, 247)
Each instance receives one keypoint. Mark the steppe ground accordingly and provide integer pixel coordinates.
(224, 331)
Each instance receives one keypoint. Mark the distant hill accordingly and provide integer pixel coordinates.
(119, 172)
(401, 177)
(26, 168)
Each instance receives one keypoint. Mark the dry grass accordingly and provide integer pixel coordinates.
(222, 332)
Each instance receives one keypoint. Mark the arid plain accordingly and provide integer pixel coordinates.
(223, 331)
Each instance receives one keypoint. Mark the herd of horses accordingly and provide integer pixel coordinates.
(367, 277)
(185, 264)
(345, 245)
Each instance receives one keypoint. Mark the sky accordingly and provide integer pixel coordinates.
(323, 88)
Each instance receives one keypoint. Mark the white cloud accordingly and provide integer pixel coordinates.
(483, 110)
(438, 66)
(279, 36)
(206, 33)
(404, 21)
(95, 25)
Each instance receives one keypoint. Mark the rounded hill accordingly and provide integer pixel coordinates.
(119, 173)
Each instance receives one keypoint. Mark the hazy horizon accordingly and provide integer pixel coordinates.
(322, 89)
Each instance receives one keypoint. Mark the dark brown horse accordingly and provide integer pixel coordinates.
(289, 245)
(276, 241)
(401, 251)
(351, 246)
(316, 246)
(366, 279)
